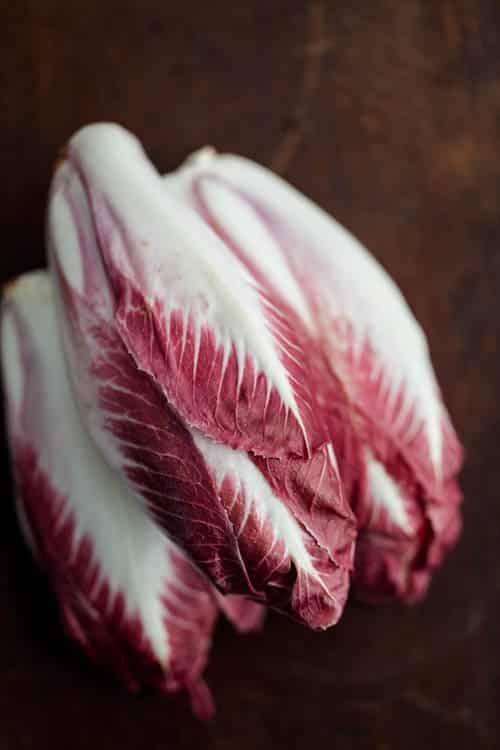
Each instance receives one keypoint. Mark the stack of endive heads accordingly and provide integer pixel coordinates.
(216, 400)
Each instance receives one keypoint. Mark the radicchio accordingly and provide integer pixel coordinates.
(127, 594)
(397, 450)
(196, 375)
(212, 378)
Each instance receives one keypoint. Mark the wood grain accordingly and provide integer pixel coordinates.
(388, 114)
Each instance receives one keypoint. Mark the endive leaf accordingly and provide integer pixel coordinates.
(229, 358)
(280, 555)
(127, 594)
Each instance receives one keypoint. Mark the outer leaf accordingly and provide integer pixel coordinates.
(126, 593)
(311, 490)
(280, 555)
(230, 360)
(402, 443)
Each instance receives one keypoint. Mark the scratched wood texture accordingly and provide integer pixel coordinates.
(387, 113)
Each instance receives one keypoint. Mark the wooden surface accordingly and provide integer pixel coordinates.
(387, 112)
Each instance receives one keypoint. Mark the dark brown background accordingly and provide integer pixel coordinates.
(387, 112)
